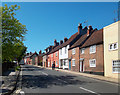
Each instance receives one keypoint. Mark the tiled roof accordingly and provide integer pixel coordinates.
(33, 54)
(80, 41)
(94, 39)
(65, 43)
(55, 49)
(69, 40)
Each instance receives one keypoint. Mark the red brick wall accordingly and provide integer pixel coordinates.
(56, 58)
(98, 56)
(76, 57)
(52, 57)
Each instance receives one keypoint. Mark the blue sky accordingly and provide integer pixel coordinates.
(46, 21)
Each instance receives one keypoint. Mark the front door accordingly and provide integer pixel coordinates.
(69, 64)
(81, 66)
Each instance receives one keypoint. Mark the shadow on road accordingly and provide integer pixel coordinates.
(42, 81)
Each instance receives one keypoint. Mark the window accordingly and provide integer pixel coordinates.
(48, 63)
(73, 51)
(113, 46)
(92, 62)
(116, 66)
(65, 50)
(65, 62)
(56, 63)
(73, 62)
(82, 50)
(61, 51)
(56, 53)
(51, 55)
(92, 49)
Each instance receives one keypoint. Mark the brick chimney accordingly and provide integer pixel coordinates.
(30, 53)
(65, 39)
(89, 31)
(40, 52)
(55, 42)
(61, 41)
(79, 28)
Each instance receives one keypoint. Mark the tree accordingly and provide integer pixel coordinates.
(13, 33)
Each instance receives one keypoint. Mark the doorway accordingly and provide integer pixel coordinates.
(69, 64)
(81, 66)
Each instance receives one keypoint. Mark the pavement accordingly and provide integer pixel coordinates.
(9, 80)
(38, 80)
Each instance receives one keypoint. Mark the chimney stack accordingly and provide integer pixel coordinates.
(30, 53)
(55, 42)
(89, 30)
(61, 41)
(65, 39)
(40, 52)
(79, 28)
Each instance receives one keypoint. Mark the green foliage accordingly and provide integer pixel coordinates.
(13, 33)
(17, 68)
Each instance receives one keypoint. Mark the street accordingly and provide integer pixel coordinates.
(41, 80)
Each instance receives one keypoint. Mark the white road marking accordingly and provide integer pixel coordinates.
(88, 90)
(45, 73)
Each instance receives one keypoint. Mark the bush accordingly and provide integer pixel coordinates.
(17, 68)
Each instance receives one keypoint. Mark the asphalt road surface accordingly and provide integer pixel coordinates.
(37, 80)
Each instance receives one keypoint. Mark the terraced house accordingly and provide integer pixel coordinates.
(86, 54)
(112, 50)
(92, 54)
(63, 51)
(45, 56)
(53, 56)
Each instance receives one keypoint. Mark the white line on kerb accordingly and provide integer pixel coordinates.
(22, 92)
(88, 90)
(45, 73)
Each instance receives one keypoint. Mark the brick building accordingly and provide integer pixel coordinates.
(53, 56)
(92, 54)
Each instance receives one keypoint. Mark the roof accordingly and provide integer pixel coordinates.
(65, 43)
(80, 41)
(55, 49)
(94, 39)
(33, 54)
(69, 40)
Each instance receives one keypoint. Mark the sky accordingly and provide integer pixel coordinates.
(46, 21)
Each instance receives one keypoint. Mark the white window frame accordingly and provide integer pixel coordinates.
(82, 50)
(90, 62)
(115, 66)
(72, 62)
(56, 54)
(73, 51)
(48, 64)
(51, 55)
(113, 46)
(91, 48)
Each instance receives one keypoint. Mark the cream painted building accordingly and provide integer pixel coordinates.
(112, 50)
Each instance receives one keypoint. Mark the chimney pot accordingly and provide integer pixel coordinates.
(79, 28)
(89, 31)
(61, 41)
(55, 42)
(65, 39)
(40, 52)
